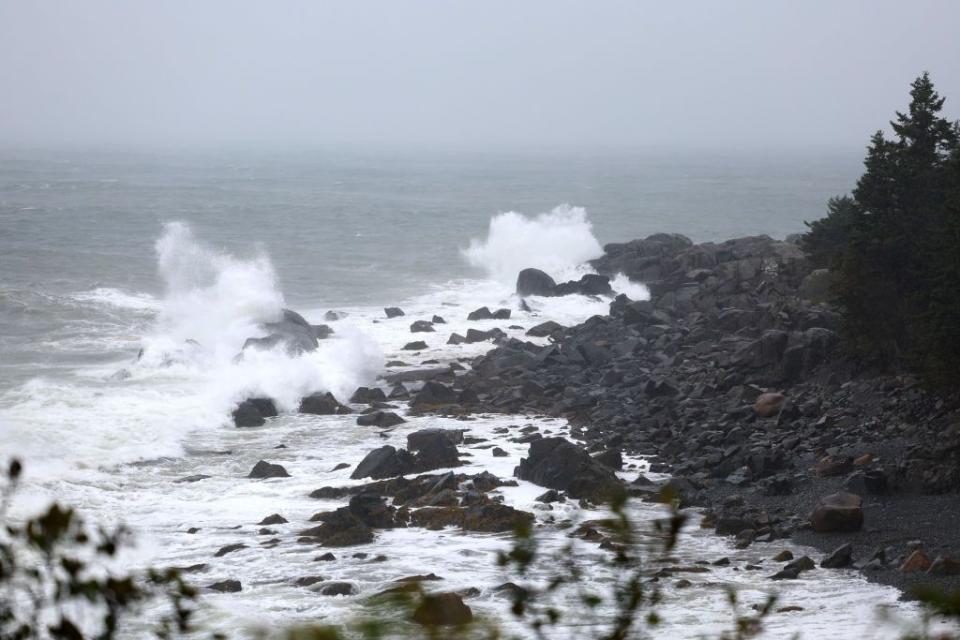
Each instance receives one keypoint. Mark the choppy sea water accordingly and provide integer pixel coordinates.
(105, 255)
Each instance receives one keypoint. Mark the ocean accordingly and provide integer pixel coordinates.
(129, 282)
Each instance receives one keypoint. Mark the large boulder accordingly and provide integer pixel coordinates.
(545, 329)
(393, 312)
(382, 419)
(837, 513)
(558, 464)
(252, 411)
(490, 517)
(534, 282)
(264, 469)
(436, 448)
(768, 405)
(434, 394)
(367, 395)
(385, 462)
(422, 326)
(322, 404)
(292, 331)
(340, 528)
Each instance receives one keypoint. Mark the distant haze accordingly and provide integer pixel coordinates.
(483, 74)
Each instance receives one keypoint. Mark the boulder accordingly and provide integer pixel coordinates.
(434, 394)
(321, 331)
(838, 512)
(442, 609)
(611, 458)
(338, 589)
(385, 462)
(264, 469)
(483, 313)
(916, 562)
(438, 320)
(322, 404)
(768, 405)
(276, 518)
(393, 312)
(226, 586)
(382, 419)
(418, 345)
(558, 464)
(501, 314)
(545, 329)
(944, 566)
(340, 528)
(534, 282)
(366, 395)
(456, 338)
(436, 448)
(247, 415)
(422, 326)
(840, 557)
(490, 517)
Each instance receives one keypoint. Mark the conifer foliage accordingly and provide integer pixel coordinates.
(893, 245)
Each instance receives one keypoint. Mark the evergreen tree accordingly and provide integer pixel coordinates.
(894, 245)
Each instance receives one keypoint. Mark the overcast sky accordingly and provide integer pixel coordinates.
(484, 74)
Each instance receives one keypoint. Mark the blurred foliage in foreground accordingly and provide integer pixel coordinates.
(57, 582)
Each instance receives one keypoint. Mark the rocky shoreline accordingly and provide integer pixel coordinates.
(731, 379)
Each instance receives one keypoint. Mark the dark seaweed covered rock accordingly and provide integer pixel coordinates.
(558, 464)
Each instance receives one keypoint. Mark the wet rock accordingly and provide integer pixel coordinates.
(422, 326)
(321, 331)
(434, 394)
(442, 609)
(550, 496)
(486, 518)
(276, 518)
(534, 282)
(385, 462)
(194, 478)
(611, 458)
(558, 464)
(438, 320)
(382, 419)
(340, 528)
(483, 313)
(456, 338)
(246, 415)
(230, 548)
(783, 556)
(366, 395)
(264, 469)
(545, 329)
(226, 586)
(418, 345)
(497, 452)
(322, 404)
(338, 589)
(307, 581)
(838, 512)
(840, 557)
(393, 312)
(326, 557)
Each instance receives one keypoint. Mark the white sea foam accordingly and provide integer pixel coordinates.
(558, 242)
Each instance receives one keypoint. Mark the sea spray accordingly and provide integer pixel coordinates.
(560, 242)
(190, 373)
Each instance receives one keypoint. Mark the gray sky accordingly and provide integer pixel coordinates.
(484, 74)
